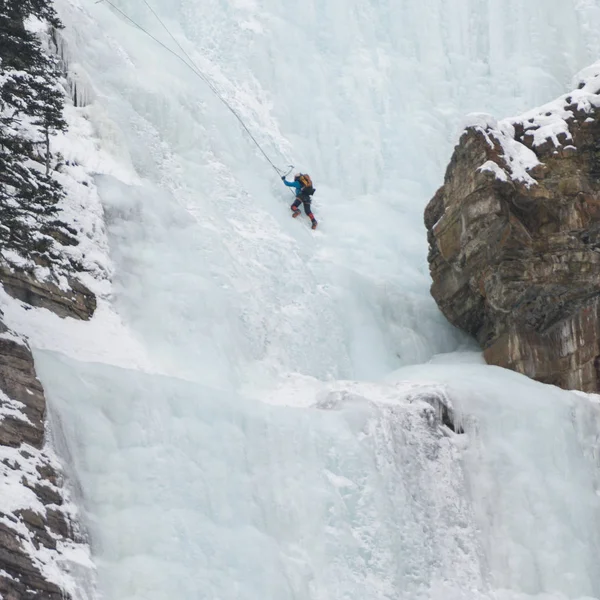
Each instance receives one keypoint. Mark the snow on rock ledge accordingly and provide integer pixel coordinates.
(516, 144)
(514, 237)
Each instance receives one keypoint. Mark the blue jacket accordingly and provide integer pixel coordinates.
(294, 184)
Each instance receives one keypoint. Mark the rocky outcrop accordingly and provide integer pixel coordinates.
(77, 301)
(35, 521)
(37, 266)
(514, 238)
(37, 530)
(38, 534)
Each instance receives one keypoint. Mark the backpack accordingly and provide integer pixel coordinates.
(306, 183)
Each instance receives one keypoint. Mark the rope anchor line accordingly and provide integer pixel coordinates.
(196, 70)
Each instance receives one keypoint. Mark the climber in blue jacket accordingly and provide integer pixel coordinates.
(304, 190)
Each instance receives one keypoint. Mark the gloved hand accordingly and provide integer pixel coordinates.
(283, 178)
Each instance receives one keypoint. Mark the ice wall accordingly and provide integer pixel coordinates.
(193, 490)
(191, 493)
(531, 466)
(366, 96)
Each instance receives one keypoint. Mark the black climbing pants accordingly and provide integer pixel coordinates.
(306, 201)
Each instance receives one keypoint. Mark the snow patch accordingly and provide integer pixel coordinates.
(494, 168)
(61, 565)
(548, 123)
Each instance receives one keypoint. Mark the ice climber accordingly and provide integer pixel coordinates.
(304, 190)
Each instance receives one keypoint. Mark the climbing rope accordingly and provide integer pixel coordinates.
(195, 69)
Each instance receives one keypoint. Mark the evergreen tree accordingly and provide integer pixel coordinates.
(31, 105)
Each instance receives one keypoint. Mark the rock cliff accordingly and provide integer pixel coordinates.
(514, 238)
(36, 528)
(39, 535)
(49, 249)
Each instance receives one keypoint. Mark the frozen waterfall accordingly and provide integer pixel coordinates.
(242, 462)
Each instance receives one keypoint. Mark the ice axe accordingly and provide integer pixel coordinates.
(290, 169)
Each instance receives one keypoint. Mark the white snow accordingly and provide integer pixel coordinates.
(284, 467)
(548, 123)
(11, 408)
(65, 564)
(495, 168)
(518, 158)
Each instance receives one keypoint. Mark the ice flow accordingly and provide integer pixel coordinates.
(197, 488)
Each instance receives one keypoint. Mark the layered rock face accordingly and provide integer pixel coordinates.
(35, 528)
(514, 238)
(39, 535)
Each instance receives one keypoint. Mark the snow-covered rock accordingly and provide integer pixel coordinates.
(514, 238)
(41, 544)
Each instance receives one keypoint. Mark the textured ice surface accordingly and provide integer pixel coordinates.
(194, 493)
(211, 271)
(531, 464)
(194, 490)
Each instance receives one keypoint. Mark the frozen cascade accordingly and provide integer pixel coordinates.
(194, 493)
(372, 116)
(358, 501)
(193, 489)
